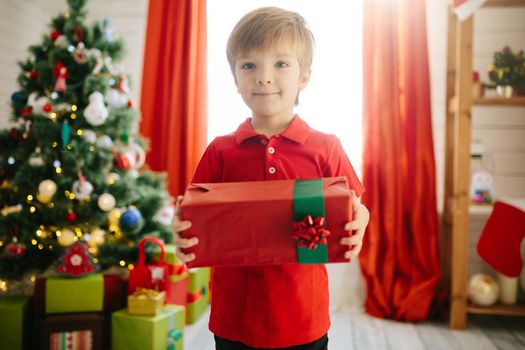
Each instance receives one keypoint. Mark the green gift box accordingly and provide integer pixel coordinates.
(160, 332)
(198, 293)
(14, 311)
(65, 295)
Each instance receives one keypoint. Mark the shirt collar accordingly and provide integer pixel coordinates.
(297, 131)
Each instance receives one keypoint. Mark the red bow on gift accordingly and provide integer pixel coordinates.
(310, 232)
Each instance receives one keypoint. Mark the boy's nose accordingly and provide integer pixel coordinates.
(263, 81)
(264, 77)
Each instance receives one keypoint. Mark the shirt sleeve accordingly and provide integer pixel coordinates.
(209, 169)
(338, 164)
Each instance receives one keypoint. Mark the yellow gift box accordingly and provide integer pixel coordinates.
(146, 302)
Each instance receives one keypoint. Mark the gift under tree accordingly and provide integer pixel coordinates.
(70, 167)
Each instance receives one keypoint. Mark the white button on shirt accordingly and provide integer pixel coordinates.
(271, 150)
(271, 170)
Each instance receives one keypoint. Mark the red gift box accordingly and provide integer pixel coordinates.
(177, 288)
(250, 223)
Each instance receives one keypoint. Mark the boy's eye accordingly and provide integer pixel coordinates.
(247, 66)
(281, 64)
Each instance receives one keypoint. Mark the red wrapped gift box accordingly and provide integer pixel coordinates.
(250, 223)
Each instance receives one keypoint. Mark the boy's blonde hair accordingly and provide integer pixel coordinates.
(263, 28)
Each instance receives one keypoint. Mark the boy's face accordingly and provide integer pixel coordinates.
(270, 79)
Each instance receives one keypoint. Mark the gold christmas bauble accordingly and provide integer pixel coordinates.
(106, 202)
(96, 237)
(114, 217)
(43, 199)
(66, 238)
(47, 188)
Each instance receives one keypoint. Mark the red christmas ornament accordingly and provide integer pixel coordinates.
(71, 216)
(26, 111)
(122, 162)
(33, 74)
(131, 104)
(76, 262)
(14, 249)
(54, 35)
(58, 72)
(47, 107)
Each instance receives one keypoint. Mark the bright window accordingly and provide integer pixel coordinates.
(332, 102)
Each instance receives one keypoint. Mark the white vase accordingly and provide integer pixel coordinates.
(508, 287)
(504, 91)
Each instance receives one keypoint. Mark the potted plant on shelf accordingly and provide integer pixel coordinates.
(507, 72)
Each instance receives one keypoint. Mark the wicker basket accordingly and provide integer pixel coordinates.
(145, 302)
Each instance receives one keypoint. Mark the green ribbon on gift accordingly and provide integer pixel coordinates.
(308, 199)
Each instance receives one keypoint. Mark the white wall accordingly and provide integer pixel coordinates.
(24, 22)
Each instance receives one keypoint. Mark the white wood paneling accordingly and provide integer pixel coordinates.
(24, 22)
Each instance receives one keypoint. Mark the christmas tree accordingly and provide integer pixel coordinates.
(69, 168)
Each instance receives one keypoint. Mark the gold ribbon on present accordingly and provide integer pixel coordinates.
(144, 293)
(145, 301)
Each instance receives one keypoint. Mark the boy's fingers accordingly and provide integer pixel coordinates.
(185, 243)
(177, 205)
(181, 225)
(351, 226)
(352, 240)
(184, 257)
(355, 200)
(354, 251)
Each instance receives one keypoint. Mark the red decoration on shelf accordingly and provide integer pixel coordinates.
(71, 216)
(76, 261)
(310, 232)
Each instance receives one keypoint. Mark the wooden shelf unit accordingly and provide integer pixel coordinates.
(498, 309)
(457, 204)
(499, 101)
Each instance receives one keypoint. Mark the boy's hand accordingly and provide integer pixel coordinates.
(179, 226)
(356, 227)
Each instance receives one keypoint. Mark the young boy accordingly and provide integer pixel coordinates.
(283, 306)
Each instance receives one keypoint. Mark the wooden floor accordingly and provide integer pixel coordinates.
(356, 330)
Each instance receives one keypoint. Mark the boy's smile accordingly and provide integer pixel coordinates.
(269, 81)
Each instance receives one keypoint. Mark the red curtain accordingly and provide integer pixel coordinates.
(174, 96)
(400, 258)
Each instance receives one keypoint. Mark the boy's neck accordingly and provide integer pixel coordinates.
(269, 126)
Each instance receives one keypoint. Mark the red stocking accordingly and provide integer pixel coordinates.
(499, 244)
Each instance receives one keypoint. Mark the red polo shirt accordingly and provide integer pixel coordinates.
(282, 305)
